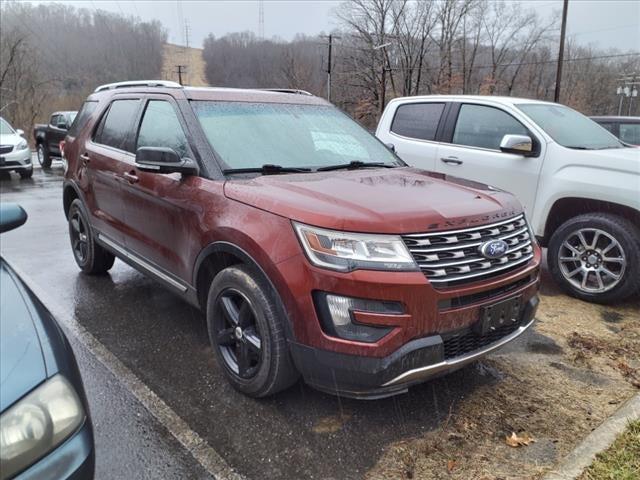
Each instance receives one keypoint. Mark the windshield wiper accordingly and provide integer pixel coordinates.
(355, 164)
(267, 169)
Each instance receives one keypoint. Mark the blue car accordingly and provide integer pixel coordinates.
(45, 428)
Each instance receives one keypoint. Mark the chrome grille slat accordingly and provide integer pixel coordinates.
(454, 256)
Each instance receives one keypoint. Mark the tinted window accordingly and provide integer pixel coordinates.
(481, 126)
(417, 120)
(81, 118)
(161, 128)
(54, 120)
(117, 123)
(630, 133)
(609, 126)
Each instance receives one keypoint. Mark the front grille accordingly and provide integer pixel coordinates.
(5, 149)
(469, 341)
(453, 257)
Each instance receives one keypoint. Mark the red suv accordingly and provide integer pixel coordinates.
(312, 248)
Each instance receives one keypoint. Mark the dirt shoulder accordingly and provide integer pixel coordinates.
(582, 361)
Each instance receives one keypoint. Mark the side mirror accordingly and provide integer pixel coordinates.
(12, 216)
(164, 160)
(518, 144)
(20, 132)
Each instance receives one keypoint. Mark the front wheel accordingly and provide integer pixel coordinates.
(43, 156)
(247, 333)
(90, 257)
(596, 257)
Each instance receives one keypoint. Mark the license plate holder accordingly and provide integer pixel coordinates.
(494, 316)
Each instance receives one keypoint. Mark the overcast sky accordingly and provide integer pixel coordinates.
(603, 23)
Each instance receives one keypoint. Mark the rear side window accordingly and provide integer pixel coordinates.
(417, 120)
(54, 120)
(81, 118)
(117, 123)
(484, 127)
(630, 133)
(161, 128)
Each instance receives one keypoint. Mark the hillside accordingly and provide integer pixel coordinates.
(174, 55)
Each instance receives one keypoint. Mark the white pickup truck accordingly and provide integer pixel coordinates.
(579, 184)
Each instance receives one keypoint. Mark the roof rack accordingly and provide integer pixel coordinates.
(138, 83)
(287, 90)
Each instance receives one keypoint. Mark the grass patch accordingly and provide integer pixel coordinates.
(621, 461)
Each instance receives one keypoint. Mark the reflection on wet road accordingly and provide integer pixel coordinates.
(300, 433)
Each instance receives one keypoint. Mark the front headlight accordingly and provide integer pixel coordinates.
(345, 251)
(23, 145)
(37, 424)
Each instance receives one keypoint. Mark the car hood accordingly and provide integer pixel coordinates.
(22, 365)
(398, 200)
(10, 139)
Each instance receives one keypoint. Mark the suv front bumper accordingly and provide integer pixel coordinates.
(17, 160)
(416, 361)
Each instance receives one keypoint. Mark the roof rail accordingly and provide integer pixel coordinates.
(138, 83)
(294, 91)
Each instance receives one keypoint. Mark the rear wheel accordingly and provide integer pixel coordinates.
(247, 334)
(43, 156)
(90, 257)
(596, 257)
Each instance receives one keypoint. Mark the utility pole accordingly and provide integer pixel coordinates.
(261, 19)
(181, 70)
(330, 38)
(563, 31)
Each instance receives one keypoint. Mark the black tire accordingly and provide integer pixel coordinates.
(90, 257)
(26, 173)
(273, 370)
(622, 261)
(43, 156)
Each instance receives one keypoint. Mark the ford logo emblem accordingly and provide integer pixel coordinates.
(494, 248)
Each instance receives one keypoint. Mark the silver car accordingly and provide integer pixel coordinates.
(14, 151)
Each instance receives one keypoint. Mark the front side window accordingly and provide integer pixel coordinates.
(417, 120)
(117, 123)
(249, 135)
(81, 118)
(160, 127)
(570, 128)
(484, 127)
(630, 133)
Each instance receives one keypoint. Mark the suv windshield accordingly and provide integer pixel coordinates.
(249, 135)
(570, 128)
(5, 128)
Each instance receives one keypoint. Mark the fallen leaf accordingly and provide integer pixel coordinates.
(451, 464)
(515, 440)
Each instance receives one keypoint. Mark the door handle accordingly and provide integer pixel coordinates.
(451, 160)
(130, 177)
(85, 158)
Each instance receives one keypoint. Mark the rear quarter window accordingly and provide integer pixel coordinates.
(83, 115)
(417, 120)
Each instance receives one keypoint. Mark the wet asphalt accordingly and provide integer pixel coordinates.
(300, 433)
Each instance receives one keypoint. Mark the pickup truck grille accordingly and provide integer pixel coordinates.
(5, 149)
(453, 257)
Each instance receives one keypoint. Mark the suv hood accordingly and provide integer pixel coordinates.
(398, 200)
(10, 139)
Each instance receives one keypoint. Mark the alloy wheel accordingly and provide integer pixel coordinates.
(237, 333)
(592, 260)
(79, 237)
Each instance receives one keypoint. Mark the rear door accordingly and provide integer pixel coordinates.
(159, 207)
(105, 160)
(471, 150)
(413, 132)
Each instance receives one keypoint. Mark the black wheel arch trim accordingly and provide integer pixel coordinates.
(233, 249)
(71, 184)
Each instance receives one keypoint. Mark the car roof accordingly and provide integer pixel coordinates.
(482, 98)
(614, 118)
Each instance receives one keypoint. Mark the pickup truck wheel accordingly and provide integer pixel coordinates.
(247, 334)
(596, 257)
(90, 257)
(43, 156)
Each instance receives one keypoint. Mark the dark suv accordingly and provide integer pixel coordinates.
(312, 248)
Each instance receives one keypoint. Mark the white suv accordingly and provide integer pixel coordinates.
(579, 184)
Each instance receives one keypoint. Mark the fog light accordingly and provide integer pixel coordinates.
(336, 314)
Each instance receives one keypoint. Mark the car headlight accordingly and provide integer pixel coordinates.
(23, 145)
(345, 251)
(38, 423)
